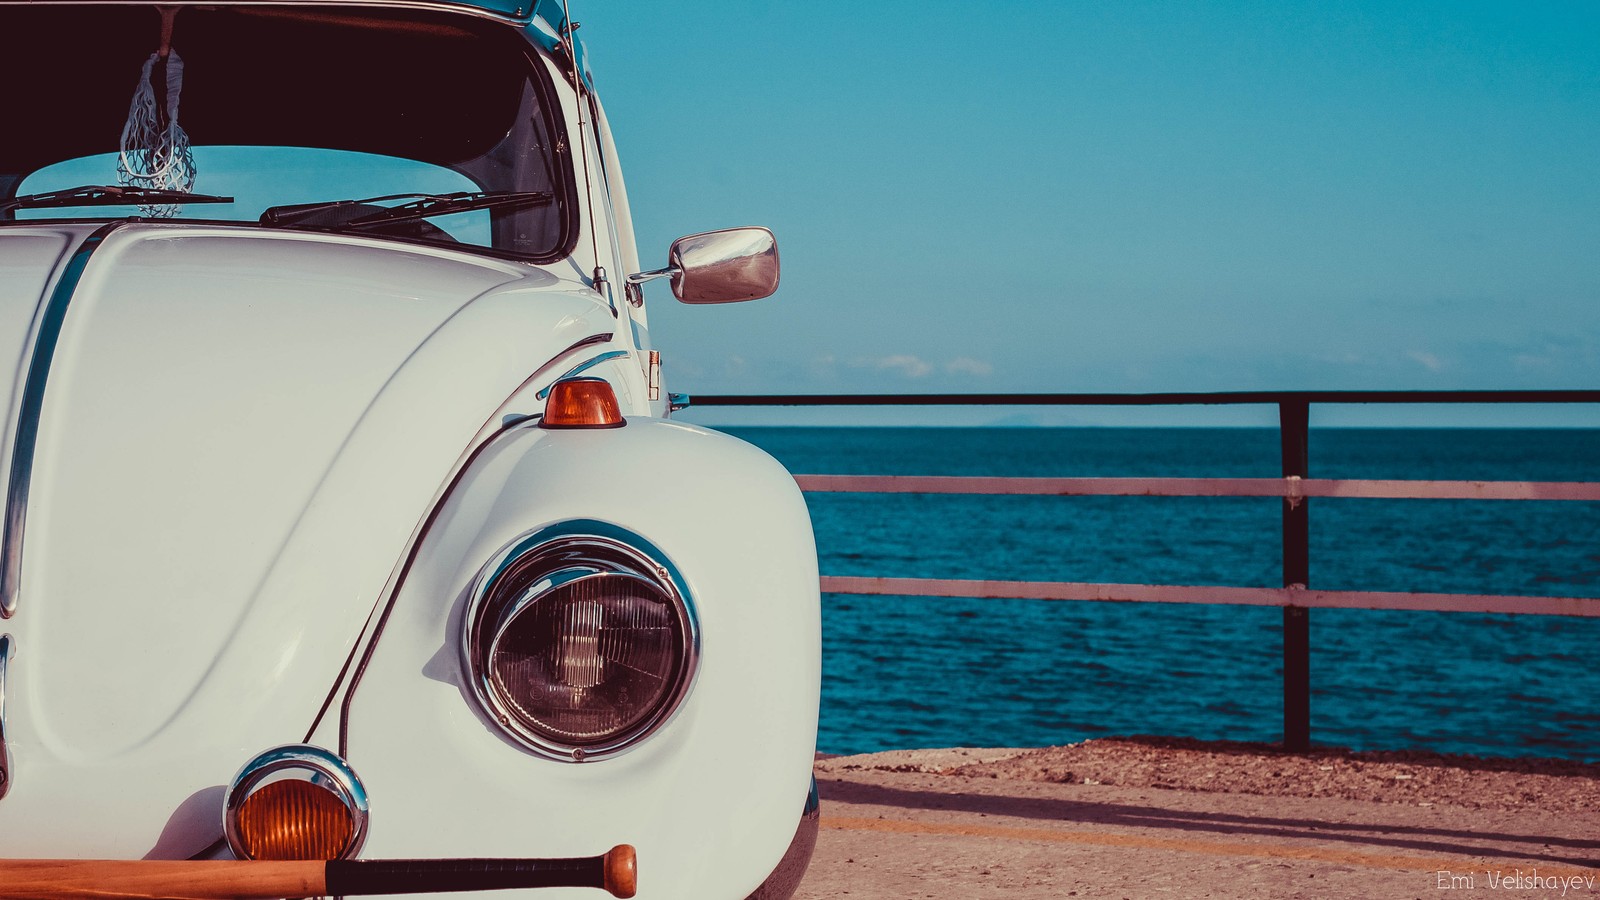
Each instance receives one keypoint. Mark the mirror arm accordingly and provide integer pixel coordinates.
(642, 277)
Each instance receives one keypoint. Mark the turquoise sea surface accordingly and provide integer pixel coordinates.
(928, 672)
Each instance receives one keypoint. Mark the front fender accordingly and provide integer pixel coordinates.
(710, 800)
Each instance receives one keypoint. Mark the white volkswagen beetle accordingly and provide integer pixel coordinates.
(344, 516)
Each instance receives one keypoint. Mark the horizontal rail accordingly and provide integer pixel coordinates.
(1234, 596)
(1166, 399)
(1295, 599)
(1290, 488)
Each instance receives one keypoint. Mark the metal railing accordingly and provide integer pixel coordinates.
(1295, 487)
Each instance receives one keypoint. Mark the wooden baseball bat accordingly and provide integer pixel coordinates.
(64, 879)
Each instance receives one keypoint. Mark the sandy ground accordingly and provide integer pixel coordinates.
(1148, 817)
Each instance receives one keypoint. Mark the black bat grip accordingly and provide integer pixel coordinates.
(359, 877)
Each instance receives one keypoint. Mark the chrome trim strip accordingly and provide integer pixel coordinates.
(592, 546)
(44, 349)
(584, 366)
(328, 769)
(7, 643)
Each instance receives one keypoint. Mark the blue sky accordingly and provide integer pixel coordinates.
(1123, 197)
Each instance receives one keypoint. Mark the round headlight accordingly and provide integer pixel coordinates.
(580, 640)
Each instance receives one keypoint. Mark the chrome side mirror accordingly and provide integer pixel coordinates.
(726, 266)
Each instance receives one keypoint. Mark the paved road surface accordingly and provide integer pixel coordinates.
(899, 835)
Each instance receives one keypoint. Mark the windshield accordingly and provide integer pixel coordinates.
(286, 106)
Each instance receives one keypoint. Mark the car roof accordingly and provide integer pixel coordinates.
(543, 21)
(552, 11)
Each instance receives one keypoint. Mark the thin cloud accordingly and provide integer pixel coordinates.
(904, 364)
(966, 365)
(1426, 360)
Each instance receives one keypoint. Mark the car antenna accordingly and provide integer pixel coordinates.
(601, 284)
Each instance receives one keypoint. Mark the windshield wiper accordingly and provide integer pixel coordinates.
(423, 207)
(107, 195)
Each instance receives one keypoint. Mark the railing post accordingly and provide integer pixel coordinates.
(1293, 431)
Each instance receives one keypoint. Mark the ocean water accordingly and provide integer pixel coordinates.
(928, 672)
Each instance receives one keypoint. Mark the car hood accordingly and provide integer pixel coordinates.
(241, 431)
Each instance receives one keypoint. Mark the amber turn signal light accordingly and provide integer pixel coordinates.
(296, 801)
(294, 819)
(582, 403)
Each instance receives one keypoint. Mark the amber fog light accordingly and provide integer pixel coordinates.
(580, 640)
(295, 802)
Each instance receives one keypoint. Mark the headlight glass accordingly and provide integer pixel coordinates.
(294, 819)
(580, 640)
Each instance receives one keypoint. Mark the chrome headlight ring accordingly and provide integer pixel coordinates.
(580, 640)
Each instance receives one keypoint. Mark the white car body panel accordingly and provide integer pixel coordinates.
(160, 411)
(253, 442)
(728, 519)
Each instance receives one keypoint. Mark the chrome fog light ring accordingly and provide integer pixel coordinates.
(562, 575)
(305, 762)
